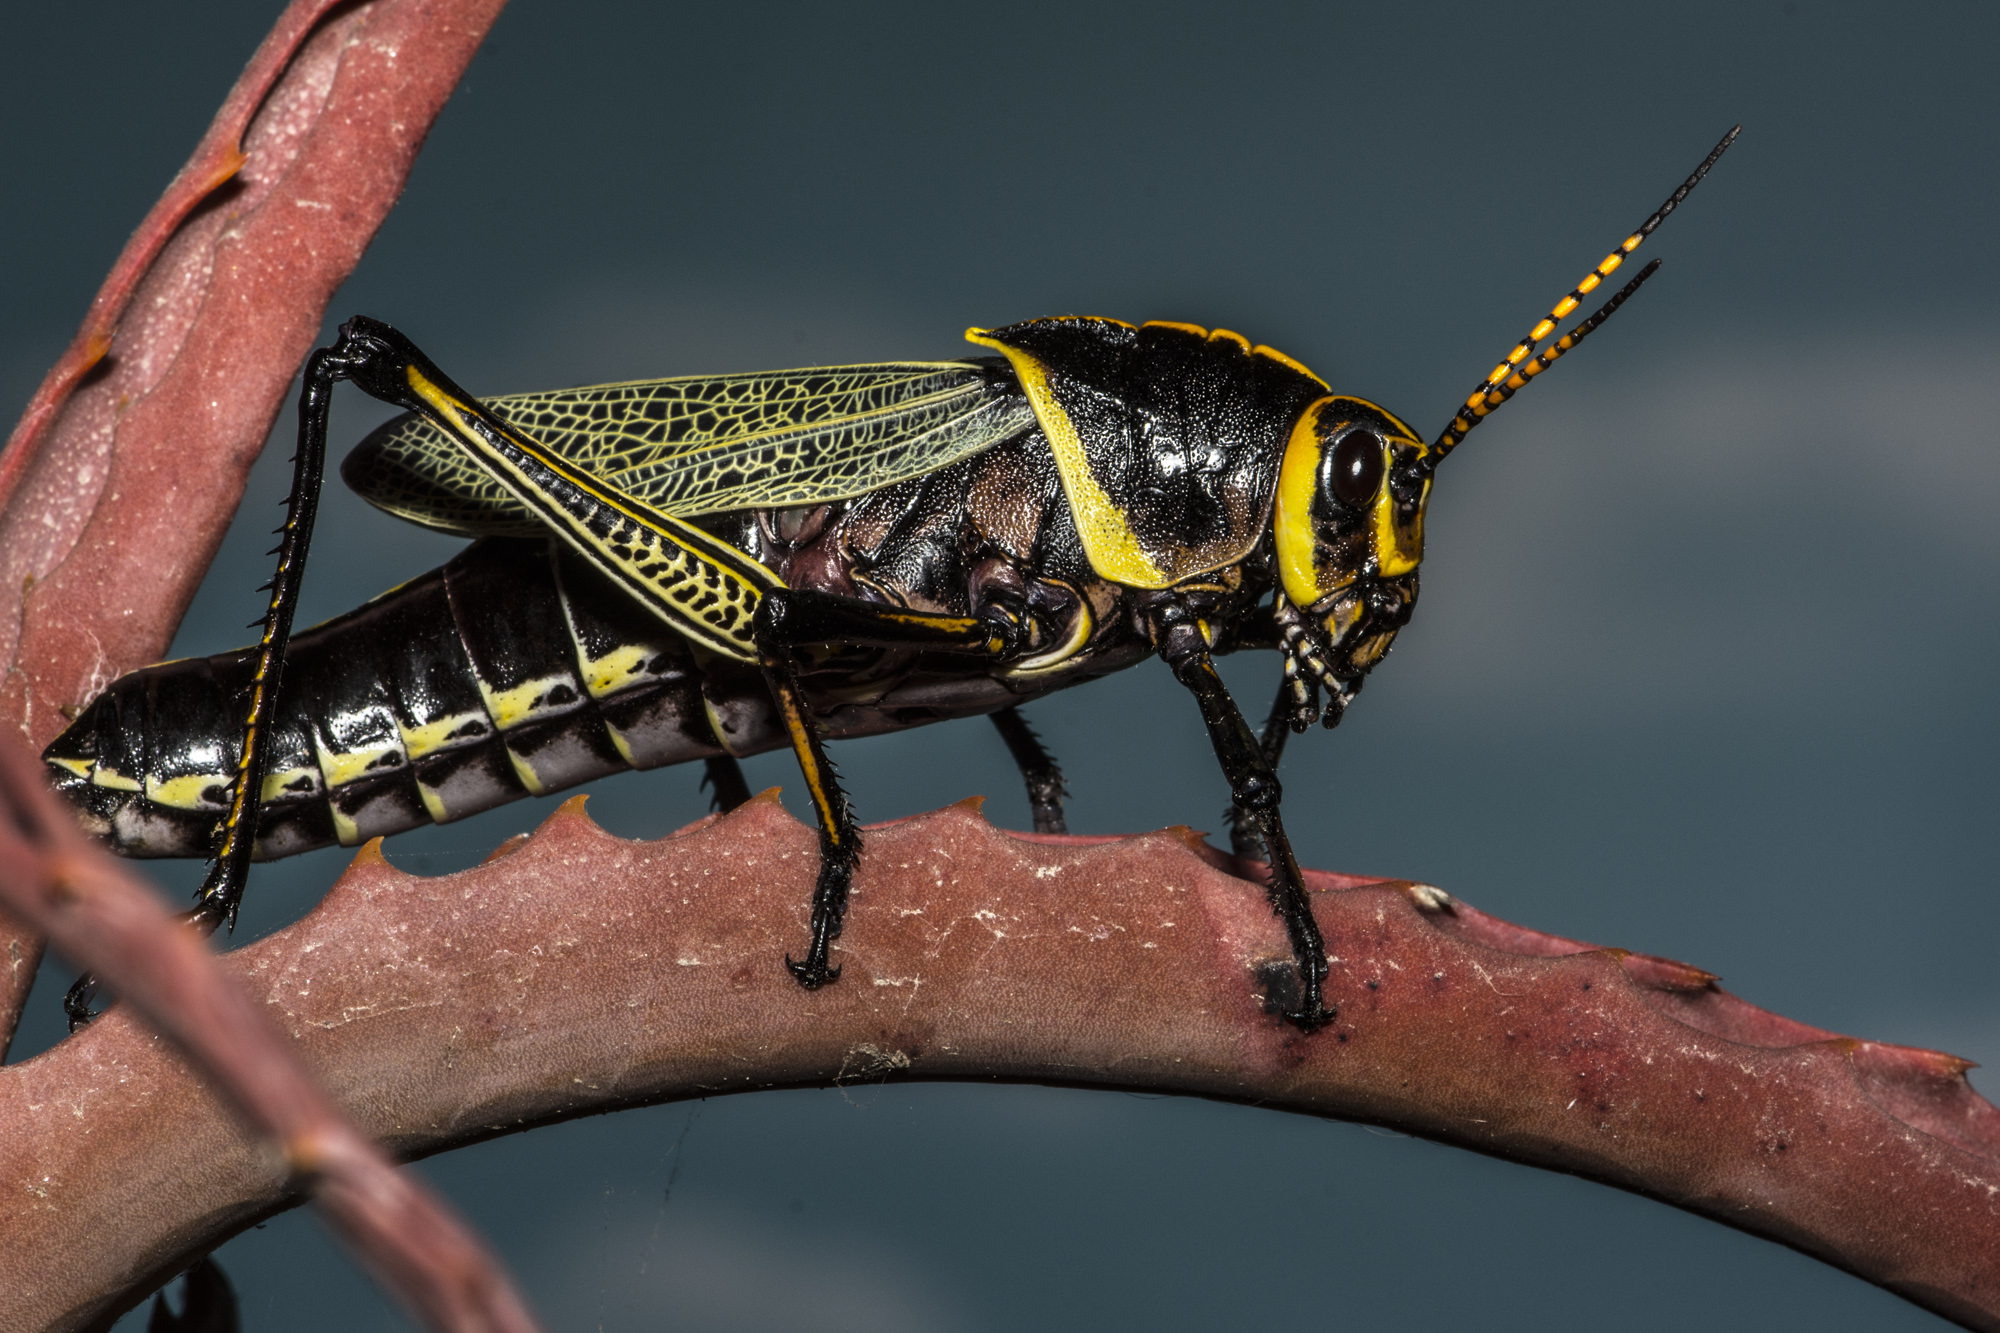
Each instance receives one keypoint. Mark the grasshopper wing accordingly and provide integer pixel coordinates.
(707, 444)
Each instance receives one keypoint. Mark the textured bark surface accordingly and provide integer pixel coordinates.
(582, 972)
(120, 479)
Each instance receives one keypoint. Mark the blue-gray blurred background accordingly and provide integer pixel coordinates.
(1704, 662)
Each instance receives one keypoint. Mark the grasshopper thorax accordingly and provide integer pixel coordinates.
(1182, 450)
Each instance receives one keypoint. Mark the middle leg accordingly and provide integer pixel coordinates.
(723, 777)
(1038, 770)
(788, 620)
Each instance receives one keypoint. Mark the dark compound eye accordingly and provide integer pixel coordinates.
(1354, 468)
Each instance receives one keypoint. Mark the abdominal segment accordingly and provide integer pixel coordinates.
(512, 671)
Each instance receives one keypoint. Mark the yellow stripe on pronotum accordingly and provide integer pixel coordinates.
(1107, 538)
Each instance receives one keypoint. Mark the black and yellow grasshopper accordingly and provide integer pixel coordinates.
(709, 567)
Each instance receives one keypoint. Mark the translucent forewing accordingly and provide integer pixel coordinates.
(704, 445)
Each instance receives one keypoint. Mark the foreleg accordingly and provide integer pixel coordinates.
(1254, 787)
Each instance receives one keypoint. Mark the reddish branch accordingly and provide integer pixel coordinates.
(120, 480)
(582, 972)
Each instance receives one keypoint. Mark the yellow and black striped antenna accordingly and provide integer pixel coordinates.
(1510, 376)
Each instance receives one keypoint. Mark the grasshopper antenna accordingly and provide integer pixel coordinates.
(1510, 376)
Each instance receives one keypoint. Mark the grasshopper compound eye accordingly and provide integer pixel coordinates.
(1354, 467)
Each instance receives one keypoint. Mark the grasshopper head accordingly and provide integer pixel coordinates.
(1349, 533)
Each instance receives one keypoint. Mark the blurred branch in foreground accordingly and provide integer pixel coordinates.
(103, 917)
